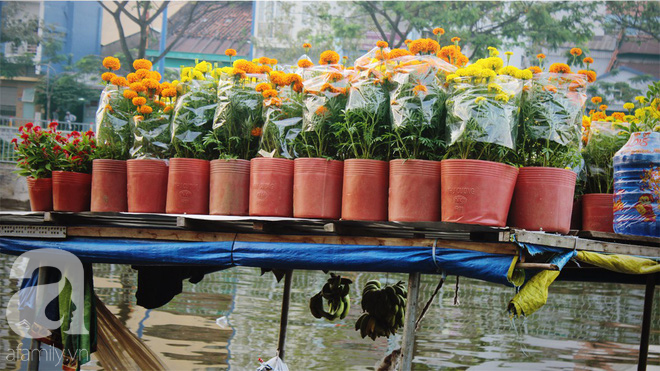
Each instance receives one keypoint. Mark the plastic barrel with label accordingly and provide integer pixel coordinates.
(637, 186)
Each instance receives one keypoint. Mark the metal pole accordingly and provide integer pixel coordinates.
(284, 318)
(48, 92)
(35, 346)
(408, 346)
(163, 41)
(646, 321)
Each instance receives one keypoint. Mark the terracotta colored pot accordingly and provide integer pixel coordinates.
(317, 184)
(364, 195)
(543, 199)
(414, 190)
(188, 186)
(146, 186)
(41, 193)
(597, 212)
(109, 186)
(229, 192)
(271, 187)
(71, 191)
(476, 191)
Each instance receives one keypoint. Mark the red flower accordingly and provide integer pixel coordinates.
(37, 129)
(76, 141)
(24, 136)
(57, 149)
(20, 129)
(75, 134)
(29, 125)
(89, 133)
(15, 140)
(52, 125)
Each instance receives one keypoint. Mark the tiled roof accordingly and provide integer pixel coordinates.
(640, 46)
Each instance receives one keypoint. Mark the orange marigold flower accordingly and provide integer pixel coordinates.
(264, 60)
(329, 57)
(154, 75)
(230, 52)
(619, 116)
(335, 76)
(382, 44)
(305, 63)
(119, 81)
(168, 109)
(455, 39)
(273, 61)
(396, 53)
(108, 107)
(599, 116)
(145, 110)
(419, 88)
(108, 76)
(438, 31)
(293, 78)
(596, 100)
(245, 65)
(560, 68)
(576, 52)
(603, 107)
(139, 101)
(306, 45)
(142, 73)
(321, 111)
(270, 93)
(298, 87)
(550, 88)
(111, 63)
(277, 102)
(327, 87)
(160, 103)
(138, 118)
(265, 69)
(256, 132)
(239, 72)
(262, 87)
(138, 87)
(407, 41)
(588, 60)
(278, 78)
(540, 56)
(139, 64)
(591, 75)
(151, 84)
(535, 69)
(168, 92)
(130, 94)
(132, 77)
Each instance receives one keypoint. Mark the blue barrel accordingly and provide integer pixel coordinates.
(637, 186)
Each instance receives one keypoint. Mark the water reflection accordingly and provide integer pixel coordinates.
(585, 325)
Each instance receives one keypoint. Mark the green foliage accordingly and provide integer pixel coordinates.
(282, 124)
(68, 92)
(634, 17)
(620, 91)
(113, 125)
(79, 152)
(152, 136)
(37, 152)
(605, 139)
(193, 119)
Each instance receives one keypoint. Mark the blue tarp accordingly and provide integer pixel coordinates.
(404, 259)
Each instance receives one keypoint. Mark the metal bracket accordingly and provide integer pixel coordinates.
(33, 231)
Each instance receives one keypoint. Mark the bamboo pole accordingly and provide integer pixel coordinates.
(284, 318)
(646, 322)
(408, 346)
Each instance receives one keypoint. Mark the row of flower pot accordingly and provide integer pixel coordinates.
(461, 191)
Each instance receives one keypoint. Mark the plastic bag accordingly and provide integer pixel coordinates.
(114, 133)
(193, 119)
(552, 120)
(483, 111)
(417, 106)
(283, 123)
(604, 139)
(152, 136)
(324, 101)
(273, 364)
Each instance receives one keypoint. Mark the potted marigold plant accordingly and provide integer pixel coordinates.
(38, 155)
(417, 105)
(114, 139)
(362, 138)
(482, 118)
(72, 184)
(548, 150)
(318, 175)
(235, 137)
(153, 106)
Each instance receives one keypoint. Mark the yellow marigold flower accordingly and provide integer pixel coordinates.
(108, 76)
(203, 66)
(382, 44)
(526, 75)
(168, 92)
(560, 68)
(420, 89)
(145, 110)
(264, 60)
(588, 60)
(139, 101)
(270, 93)
(168, 109)
(628, 106)
(576, 52)
(263, 87)
(603, 107)
(142, 73)
(396, 53)
(586, 121)
(198, 75)
(130, 94)
(329, 57)
(451, 77)
(305, 63)
(138, 87)
(438, 31)
(139, 64)
(619, 116)
(596, 100)
(508, 53)
(479, 100)
(493, 87)
(641, 99)
(502, 97)
(111, 63)
(119, 81)
(150, 83)
(230, 52)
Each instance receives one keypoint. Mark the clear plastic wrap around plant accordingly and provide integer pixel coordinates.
(238, 115)
(482, 117)
(152, 136)
(417, 106)
(114, 132)
(604, 139)
(552, 120)
(193, 119)
(324, 101)
(283, 123)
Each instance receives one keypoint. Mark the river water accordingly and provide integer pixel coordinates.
(584, 325)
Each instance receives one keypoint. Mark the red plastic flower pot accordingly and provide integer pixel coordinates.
(271, 187)
(597, 212)
(71, 191)
(109, 186)
(41, 194)
(188, 186)
(576, 215)
(146, 185)
(364, 195)
(414, 190)
(543, 199)
(317, 185)
(476, 191)
(229, 192)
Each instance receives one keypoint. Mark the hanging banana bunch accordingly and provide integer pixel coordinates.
(385, 309)
(336, 292)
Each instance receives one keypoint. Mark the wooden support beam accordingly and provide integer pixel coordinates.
(646, 322)
(284, 317)
(545, 266)
(408, 346)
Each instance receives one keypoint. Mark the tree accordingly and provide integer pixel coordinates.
(68, 92)
(631, 17)
(146, 14)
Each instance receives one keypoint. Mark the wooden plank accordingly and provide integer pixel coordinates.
(408, 342)
(545, 266)
(149, 234)
(624, 238)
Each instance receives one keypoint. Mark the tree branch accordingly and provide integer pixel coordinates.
(183, 27)
(116, 16)
(121, 8)
(368, 7)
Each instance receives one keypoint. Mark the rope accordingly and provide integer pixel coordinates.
(428, 303)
